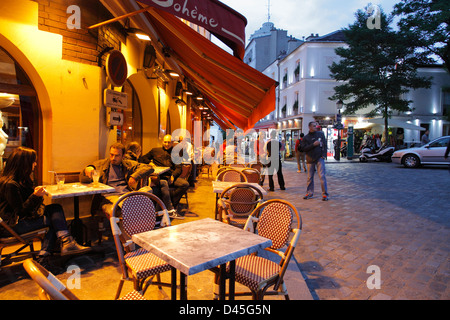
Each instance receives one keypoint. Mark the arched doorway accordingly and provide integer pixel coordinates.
(19, 105)
(131, 130)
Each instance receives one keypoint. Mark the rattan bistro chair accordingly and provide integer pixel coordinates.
(252, 175)
(12, 239)
(138, 215)
(237, 202)
(231, 175)
(272, 219)
(53, 289)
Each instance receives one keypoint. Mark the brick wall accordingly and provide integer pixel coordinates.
(80, 45)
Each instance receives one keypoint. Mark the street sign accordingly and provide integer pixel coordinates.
(114, 119)
(115, 99)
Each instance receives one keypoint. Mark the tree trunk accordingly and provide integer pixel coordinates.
(386, 128)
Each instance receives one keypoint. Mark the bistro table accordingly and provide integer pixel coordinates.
(220, 186)
(76, 190)
(201, 245)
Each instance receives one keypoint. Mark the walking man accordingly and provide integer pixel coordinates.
(315, 147)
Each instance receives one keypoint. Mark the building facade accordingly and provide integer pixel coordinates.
(305, 86)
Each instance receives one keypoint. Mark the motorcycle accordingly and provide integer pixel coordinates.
(368, 152)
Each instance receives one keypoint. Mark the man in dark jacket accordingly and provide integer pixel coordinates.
(314, 145)
(162, 157)
(115, 171)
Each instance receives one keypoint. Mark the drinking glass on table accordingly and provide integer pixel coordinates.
(60, 179)
(95, 177)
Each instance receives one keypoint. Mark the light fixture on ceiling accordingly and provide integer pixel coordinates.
(172, 73)
(138, 33)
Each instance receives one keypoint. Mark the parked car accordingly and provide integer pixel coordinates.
(430, 153)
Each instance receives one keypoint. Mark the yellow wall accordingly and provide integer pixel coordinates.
(70, 93)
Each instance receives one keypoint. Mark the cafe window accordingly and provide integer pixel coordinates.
(19, 109)
(131, 130)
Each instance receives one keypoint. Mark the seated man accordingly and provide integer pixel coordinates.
(162, 157)
(115, 171)
(160, 188)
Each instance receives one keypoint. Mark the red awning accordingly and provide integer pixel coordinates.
(222, 21)
(238, 92)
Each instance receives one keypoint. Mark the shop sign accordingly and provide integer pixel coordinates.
(115, 99)
(210, 14)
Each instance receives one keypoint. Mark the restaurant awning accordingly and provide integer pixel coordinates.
(237, 91)
(222, 21)
(396, 123)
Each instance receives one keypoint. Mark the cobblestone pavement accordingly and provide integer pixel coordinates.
(379, 214)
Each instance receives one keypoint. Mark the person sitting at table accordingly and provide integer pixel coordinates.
(163, 157)
(159, 187)
(22, 208)
(115, 171)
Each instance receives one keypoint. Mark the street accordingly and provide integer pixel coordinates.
(379, 214)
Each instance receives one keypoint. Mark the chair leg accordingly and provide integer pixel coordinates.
(119, 289)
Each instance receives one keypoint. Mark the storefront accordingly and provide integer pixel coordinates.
(55, 70)
(289, 131)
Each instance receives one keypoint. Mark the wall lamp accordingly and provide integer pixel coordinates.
(181, 103)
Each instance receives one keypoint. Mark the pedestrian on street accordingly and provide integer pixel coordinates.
(300, 155)
(315, 147)
(425, 138)
(271, 167)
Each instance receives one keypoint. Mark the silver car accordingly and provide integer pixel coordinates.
(431, 153)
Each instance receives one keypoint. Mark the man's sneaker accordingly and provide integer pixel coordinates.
(173, 214)
(324, 198)
(308, 196)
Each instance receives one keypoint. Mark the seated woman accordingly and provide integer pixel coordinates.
(22, 208)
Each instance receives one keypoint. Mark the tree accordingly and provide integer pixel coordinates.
(427, 24)
(376, 69)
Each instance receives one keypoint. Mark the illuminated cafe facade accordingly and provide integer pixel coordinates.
(75, 78)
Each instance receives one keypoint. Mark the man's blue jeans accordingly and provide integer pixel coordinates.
(321, 172)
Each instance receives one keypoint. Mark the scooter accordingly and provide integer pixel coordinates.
(383, 154)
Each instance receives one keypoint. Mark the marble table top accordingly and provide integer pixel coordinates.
(200, 245)
(219, 186)
(77, 189)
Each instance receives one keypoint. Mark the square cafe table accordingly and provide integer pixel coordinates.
(201, 245)
(77, 190)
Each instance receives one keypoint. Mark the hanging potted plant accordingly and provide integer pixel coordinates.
(295, 107)
(283, 112)
(297, 73)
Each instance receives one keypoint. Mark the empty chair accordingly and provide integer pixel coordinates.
(237, 202)
(252, 175)
(231, 175)
(272, 219)
(53, 289)
(138, 215)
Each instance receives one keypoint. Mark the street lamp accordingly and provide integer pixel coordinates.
(338, 126)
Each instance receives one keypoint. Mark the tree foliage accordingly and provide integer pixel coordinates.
(427, 24)
(377, 68)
